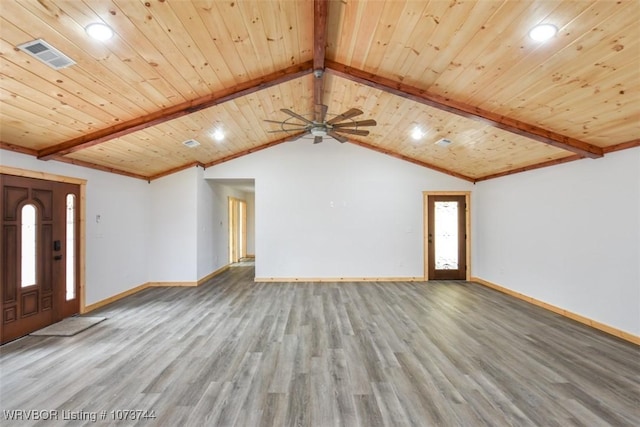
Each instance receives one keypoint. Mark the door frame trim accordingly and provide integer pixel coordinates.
(7, 170)
(425, 227)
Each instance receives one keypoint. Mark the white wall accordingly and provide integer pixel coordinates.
(116, 246)
(173, 241)
(336, 210)
(207, 227)
(568, 235)
(251, 221)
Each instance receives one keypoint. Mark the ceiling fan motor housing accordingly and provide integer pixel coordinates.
(319, 130)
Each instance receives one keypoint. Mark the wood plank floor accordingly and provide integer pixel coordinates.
(233, 352)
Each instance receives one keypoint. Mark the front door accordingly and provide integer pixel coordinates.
(446, 237)
(38, 255)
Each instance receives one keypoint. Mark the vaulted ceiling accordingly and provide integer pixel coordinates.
(465, 71)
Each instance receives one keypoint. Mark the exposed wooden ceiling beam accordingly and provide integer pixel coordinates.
(319, 47)
(320, 10)
(410, 159)
(288, 138)
(436, 101)
(226, 158)
(175, 170)
(622, 146)
(96, 166)
(176, 111)
(545, 164)
(18, 149)
(181, 167)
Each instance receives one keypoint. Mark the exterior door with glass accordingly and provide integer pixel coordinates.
(38, 254)
(446, 237)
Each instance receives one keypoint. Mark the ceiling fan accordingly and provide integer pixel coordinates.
(342, 123)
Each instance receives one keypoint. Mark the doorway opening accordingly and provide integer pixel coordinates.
(447, 235)
(237, 230)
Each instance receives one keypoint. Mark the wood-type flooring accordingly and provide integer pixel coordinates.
(237, 353)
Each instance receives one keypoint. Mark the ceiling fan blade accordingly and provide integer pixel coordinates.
(295, 136)
(284, 130)
(346, 115)
(337, 137)
(353, 131)
(369, 122)
(297, 116)
(284, 123)
(317, 139)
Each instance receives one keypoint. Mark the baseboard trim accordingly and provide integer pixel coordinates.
(171, 284)
(213, 274)
(561, 311)
(339, 279)
(144, 286)
(114, 298)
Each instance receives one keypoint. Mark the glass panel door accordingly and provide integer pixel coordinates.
(446, 237)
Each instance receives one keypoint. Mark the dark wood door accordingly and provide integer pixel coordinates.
(446, 234)
(37, 287)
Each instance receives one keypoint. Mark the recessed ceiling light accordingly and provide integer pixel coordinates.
(99, 31)
(416, 133)
(543, 32)
(218, 135)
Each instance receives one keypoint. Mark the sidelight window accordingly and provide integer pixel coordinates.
(28, 243)
(71, 247)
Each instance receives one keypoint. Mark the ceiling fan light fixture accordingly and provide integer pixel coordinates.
(99, 31)
(319, 131)
(543, 32)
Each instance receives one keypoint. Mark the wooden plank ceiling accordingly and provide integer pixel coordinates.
(461, 70)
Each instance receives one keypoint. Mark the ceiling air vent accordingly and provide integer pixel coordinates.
(443, 142)
(46, 53)
(191, 143)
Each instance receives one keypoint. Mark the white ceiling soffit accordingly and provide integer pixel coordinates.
(246, 185)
